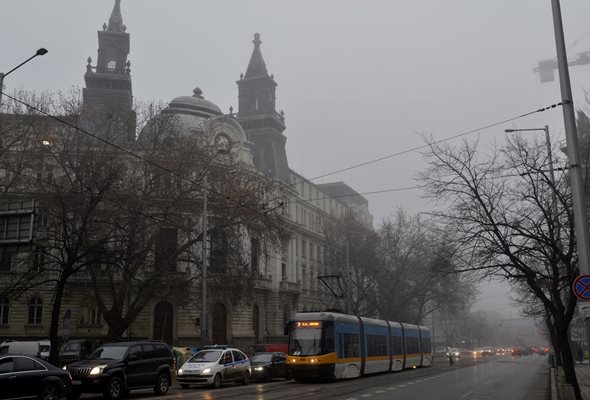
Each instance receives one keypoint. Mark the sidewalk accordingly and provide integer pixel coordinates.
(559, 391)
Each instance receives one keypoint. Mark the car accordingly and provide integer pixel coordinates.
(455, 352)
(516, 352)
(215, 366)
(114, 369)
(29, 347)
(76, 350)
(486, 352)
(23, 376)
(268, 365)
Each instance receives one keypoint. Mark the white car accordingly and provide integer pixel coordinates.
(214, 366)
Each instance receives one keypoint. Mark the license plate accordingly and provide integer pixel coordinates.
(76, 382)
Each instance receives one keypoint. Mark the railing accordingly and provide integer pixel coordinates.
(263, 282)
(290, 286)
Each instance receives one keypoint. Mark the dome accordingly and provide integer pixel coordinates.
(189, 116)
(195, 104)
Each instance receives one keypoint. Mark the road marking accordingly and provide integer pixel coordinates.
(391, 388)
(379, 391)
(367, 395)
(467, 394)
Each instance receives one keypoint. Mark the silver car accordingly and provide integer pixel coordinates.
(214, 367)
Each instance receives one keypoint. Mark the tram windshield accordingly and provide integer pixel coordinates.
(314, 340)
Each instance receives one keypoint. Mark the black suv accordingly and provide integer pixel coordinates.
(114, 369)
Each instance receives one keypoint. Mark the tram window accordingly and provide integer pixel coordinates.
(349, 345)
(412, 344)
(396, 342)
(376, 345)
(426, 346)
(329, 331)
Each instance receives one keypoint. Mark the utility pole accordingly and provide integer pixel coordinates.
(578, 196)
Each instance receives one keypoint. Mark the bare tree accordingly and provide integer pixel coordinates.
(507, 218)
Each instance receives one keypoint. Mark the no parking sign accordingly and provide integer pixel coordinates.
(581, 287)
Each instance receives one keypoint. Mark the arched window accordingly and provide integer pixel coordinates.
(111, 65)
(4, 310)
(35, 311)
(90, 314)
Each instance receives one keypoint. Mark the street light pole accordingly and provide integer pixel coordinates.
(204, 272)
(549, 152)
(42, 51)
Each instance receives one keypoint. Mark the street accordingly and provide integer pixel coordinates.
(501, 378)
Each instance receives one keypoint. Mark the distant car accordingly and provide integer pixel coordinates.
(24, 376)
(486, 352)
(455, 352)
(114, 369)
(516, 352)
(266, 366)
(215, 366)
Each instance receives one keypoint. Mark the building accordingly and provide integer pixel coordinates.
(286, 280)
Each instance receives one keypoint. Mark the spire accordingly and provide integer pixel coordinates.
(256, 66)
(116, 20)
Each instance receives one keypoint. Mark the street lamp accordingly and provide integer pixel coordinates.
(547, 143)
(549, 156)
(42, 51)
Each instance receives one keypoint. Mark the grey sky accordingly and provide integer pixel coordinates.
(357, 79)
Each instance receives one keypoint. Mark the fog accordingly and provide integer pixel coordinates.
(358, 80)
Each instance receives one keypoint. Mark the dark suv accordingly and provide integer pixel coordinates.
(114, 369)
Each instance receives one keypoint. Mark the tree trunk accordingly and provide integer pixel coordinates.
(554, 343)
(54, 327)
(567, 360)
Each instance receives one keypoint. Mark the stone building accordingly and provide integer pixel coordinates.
(287, 280)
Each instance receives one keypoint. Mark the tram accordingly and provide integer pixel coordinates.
(328, 345)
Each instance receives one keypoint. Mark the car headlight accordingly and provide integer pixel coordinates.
(97, 370)
(65, 367)
(180, 371)
(259, 368)
(207, 370)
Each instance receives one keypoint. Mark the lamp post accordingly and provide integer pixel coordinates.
(42, 51)
(204, 272)
(549, 153)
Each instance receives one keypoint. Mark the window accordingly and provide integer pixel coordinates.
(218, 254)
(376, 345)
(396, 343)
(349, 345)
(412, 345)
(39, 258)
(7, 365)
(166, 248)
(256, 322)
(90, 315)
(35, 311)
(303, 249)
(5, 260)
(4, 305)
(111, 65)
(254, 254)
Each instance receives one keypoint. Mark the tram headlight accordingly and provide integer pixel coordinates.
(313, 360)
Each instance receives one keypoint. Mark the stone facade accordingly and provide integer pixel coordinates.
(287, 280)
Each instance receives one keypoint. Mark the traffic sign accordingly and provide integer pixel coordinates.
(581, 287)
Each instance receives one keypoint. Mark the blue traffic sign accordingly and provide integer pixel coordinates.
(581, 287)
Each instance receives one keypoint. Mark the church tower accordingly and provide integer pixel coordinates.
(107, 110)
(259, 118)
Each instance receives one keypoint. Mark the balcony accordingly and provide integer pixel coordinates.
(291, 287)
(263, 282)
